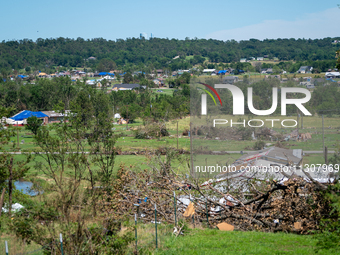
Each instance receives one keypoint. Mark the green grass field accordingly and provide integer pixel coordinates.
(165, 91)
(212, 241)
(127, 143)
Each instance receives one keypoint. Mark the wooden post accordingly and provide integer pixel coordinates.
(18, 136)
(10, 187)
(175, 208)
(297, 126)
(127, 117)
(2, 199)
(136, 232)
(191, 153)
(156, 225)
(323, 137)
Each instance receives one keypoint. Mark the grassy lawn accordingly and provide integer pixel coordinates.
(166, 91)
(212, 241)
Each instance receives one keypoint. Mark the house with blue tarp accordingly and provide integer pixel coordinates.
(106, 73)
(222, 72)
(21, 117)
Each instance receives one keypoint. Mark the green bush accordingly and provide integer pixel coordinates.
(259, 145)
(329, 236)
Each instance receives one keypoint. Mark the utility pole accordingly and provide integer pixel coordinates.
(127, 117)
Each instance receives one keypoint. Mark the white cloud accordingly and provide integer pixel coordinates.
(315, 25)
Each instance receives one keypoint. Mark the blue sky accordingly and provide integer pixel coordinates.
(223, 20)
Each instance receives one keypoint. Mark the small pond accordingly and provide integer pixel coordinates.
(25, 187)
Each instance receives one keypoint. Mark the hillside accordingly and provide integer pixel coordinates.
(156, 52)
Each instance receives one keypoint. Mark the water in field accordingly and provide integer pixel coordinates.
(25, 187)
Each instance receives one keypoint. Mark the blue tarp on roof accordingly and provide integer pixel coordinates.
(106, 73)
(26, 114)
(222, 71)
(21, 76)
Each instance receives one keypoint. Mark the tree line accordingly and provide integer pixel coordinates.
(46, 94)
(58, 53)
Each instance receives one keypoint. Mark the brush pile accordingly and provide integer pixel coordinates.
(295, 205)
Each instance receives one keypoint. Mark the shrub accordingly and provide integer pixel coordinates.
(151, 131)
(259, 145)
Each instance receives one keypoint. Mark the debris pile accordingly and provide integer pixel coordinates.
(294, 205)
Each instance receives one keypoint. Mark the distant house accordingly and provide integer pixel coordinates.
(42, 75)
(230, 80)
(259, 58)
(319, 81)
(222, 72)
(157, 82)
(207, 71)
(54, 117)
(332, 75)
(117, 87)
(305, 83)
(310, 86)
(267, 70)
(159, 72)
(305, 69)
(273, 77)
(21, 117)
(242, 60)
(230, 70)
(102, 74)
(91, 58)
(91, 82)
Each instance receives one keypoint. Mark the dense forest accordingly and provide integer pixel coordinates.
(154, 53)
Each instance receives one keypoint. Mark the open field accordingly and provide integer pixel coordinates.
(212, 241)
(165, 91)
(200, 241)
(128, 144)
